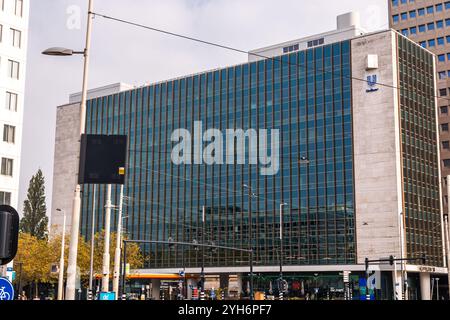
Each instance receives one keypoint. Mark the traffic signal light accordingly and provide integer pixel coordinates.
(424, 259)
(195, 242)
(171, 244)
(391, 260)
(9, 234)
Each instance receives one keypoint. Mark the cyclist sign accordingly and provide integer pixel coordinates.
(6, 290)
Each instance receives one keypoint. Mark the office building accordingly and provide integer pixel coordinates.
(427, 22)
(13, 53)
(340, 127)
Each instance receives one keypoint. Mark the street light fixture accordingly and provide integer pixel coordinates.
(61, 52)
(76, 209)
(61, 259)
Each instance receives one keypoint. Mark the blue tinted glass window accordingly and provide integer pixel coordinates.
(405, 32)
(441, 58)
(442, 75)
(448, 73)
(413, 30)
(404, 16)
(439, 7)
(432, 43)
(423, 44)
(430, 10)
(440, 24)
(412, 14)
(447, 22)
(448, 56)
(448, 39)
(395, 18)
(421, 11)
(394, 3)
(404, 1)
(422, 28)
(440, 41)
(430, 26)
(447, 5)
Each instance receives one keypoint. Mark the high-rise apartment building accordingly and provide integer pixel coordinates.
(341, 127)
(13, 52)
(427, 22)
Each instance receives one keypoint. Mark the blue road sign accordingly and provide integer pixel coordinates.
(105, 296)
(6, 290)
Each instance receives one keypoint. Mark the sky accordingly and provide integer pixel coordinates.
(123, 53)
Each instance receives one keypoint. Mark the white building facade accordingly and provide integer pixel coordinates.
(14, 16)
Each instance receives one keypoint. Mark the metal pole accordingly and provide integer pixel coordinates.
(20, 281)
(251, 276)
(447, 234)
(91, 269)
(75, 229)
(394, 278)
(202, 293)
(118, 243)
(447, 237)
(367, 280)
(61, 261)
(106, 256)
(124, 268)
(281, 252)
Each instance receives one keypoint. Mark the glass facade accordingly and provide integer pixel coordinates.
(419, 153)
(306, 95)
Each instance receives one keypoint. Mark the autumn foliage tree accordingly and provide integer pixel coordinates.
(37, 256)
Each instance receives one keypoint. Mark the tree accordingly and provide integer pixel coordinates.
(35, 221)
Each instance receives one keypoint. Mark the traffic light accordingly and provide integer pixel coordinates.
(195, 242)
(9, 234)
(391, 260)
(171, 244)
(424, 259)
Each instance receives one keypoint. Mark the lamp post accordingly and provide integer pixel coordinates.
(118, 246)
(202, 293)
(75, 228)
(61, 259)
(91, 267)
(281, 249)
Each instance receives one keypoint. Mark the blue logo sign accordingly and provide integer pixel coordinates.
(372, 83)
(6, 290)
(107, 296)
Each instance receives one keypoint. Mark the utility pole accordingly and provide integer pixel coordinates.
(61, 259)
(202, 292)
(447, 234)
(281, 288)
(75, 230)
(91, 269)
(118, 246)
(447, 245)
(105, 279)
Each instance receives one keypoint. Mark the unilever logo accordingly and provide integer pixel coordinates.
(228, 147)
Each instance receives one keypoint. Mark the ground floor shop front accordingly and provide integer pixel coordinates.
(294, 286)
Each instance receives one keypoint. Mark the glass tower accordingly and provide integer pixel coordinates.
(306, 95)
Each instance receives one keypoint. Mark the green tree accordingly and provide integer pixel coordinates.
(35, 221)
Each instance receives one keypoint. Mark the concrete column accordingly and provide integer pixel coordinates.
(239, 284)
(225, 283)
(425, 286)
(156, 288)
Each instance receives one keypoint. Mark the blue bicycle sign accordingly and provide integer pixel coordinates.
(6, 290)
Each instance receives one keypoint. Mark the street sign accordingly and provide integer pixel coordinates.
(107, 296)
(6, 290)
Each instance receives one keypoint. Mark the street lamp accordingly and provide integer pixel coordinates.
(75, 228)
(60, 52)
(61, 259)
(281, 248)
